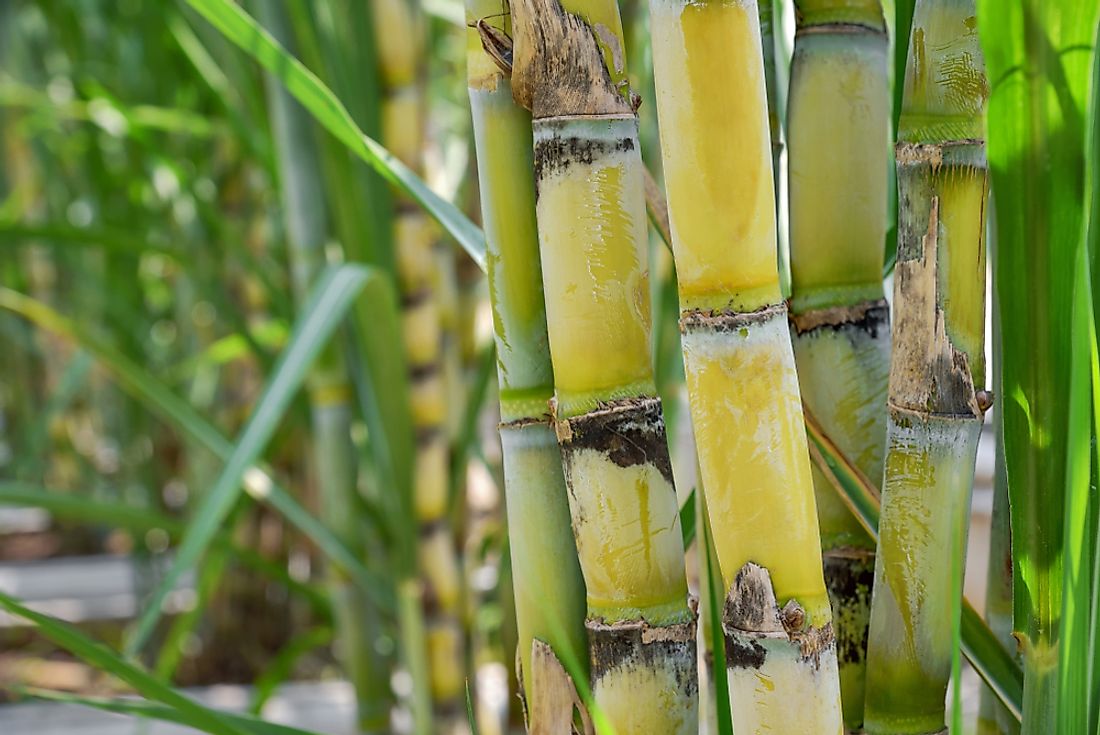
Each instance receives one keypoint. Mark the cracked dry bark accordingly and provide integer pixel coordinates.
(936, 400)
(838, 127)
(740, 368)
(568, 69)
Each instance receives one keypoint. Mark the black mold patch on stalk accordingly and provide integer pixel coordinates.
(744, 654)
(620, 645)
(870, 317)
(629, 433)
(849, 577)
(554, 155)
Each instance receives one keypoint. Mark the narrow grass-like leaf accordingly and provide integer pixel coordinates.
(687, 519)
(240, 28)
(979, 644)
(467, 432)
(471, 718)
(153, 711)
(715, 602)
(83, 509)
(1080, 510)
(1039, 56)
(106, 660)
(19, 233)
(282, 666)
(332, 297)
(178, 413)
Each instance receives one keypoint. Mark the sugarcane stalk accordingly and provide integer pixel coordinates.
(936, 400)
(399, 40)
(742, 385)
(329, 386)
(993, 717)
(548, 587)
(838, 129)
(569, 70)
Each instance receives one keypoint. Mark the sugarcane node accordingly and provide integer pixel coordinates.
(839, 28)
(558, 68)
(637, 644)
(868, 316)
(556, 153)
(424, 372)
(744, 653)
(629, 432)
(724, 322)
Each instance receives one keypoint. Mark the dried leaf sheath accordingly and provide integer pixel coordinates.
(569, 70)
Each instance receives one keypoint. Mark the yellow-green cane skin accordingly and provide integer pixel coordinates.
(838, 131)
(622, 499)
(739, 365)
(548, 587)
(843, 371)
(925, 513)
(549, 590)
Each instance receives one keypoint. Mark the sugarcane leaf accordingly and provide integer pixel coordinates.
(240, 28)
(105, 659)
(331, 298)
(282, 665)
(1080, 510)
(1040, 59)
(467, 431)
(715, 601)
(687, 519)
(903, 24)
(135, 380)
(979, 644)
(54, 233)
(153, 711)
(471, 720)
(380, 375)
(80, 508)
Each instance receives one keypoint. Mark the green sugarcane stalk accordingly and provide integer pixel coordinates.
(329, 386)
(936, 399)
(548, 587)
(838, 128)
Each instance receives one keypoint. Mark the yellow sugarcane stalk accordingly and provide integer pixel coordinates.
(569, 70)
(936, 400)
(399, 40)
(838, 128)
(740, 368)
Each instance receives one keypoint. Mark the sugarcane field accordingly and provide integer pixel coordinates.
(563, 367)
